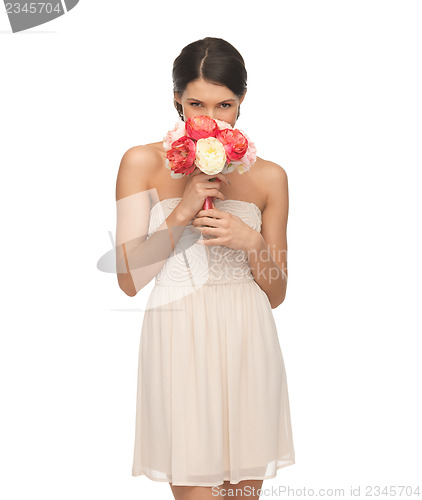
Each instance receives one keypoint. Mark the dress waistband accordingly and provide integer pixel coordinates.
(176, 284)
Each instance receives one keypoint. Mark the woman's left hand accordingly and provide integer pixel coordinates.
(227, 229)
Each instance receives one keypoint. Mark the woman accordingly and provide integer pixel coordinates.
(212, 403)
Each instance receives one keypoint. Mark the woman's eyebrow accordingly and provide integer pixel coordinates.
(193, 99)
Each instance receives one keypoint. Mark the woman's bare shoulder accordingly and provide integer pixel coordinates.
(269, 168)
(269, 172)
(137, 167)
(271, 178)
(143, 152)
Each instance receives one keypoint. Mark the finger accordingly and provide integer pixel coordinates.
(218, 195)
(222, 177)
(210, 242)
(206, 220)
(211, 230)
(210, 212)
(209, 185)
(213, 192)
(196, 171)
(205, 223)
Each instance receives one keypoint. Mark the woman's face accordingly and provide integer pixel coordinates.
(204, 98)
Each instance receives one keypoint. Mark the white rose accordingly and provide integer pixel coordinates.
(210, 155)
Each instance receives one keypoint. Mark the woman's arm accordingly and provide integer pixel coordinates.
(138, 258)
(268, 256)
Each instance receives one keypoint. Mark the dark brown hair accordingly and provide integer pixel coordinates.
(212, 59)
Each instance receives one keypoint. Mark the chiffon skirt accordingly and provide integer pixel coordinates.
(212, 398)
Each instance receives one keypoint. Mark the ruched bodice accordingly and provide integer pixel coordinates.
(196, 265)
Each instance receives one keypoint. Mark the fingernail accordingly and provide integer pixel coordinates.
(229, 181)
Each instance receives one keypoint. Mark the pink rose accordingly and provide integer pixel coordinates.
(234, 142)
(221, 124)
(181, 156)
(201, 127)
(250, 156)
(176, 133)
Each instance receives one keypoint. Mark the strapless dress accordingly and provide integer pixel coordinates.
(212, 400)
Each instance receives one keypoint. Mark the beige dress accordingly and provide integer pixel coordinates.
(212, 399)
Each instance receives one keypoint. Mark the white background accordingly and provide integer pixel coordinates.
(334, 97)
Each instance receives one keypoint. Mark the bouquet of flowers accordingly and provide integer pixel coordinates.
(213, 146)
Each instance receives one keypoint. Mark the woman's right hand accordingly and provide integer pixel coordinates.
(197, 188)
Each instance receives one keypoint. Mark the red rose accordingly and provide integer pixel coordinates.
(201, 127)
(234, 142)
(181, 156)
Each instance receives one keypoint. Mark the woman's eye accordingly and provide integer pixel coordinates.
(224, 104)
